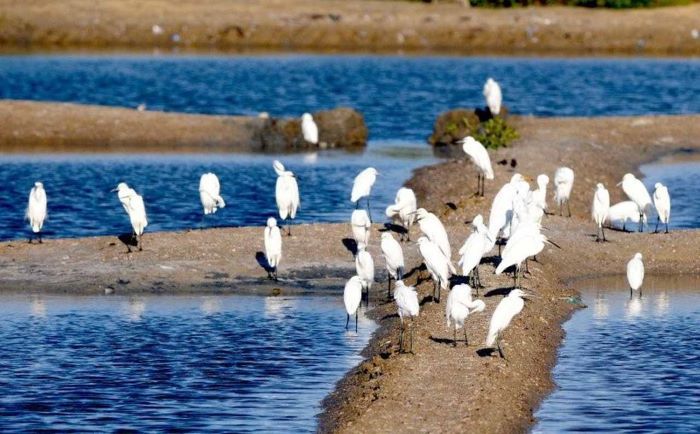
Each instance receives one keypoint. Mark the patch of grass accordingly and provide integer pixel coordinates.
(495, 133)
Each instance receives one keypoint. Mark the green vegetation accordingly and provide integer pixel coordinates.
(494, 133)
(612, 4)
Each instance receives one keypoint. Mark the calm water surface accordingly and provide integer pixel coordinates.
(629, 364)
(224, 363)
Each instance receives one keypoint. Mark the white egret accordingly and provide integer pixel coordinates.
(518, 250)
(539, 195)
(635, 273)
(362, 187)
(352, 297)
(601, 206)
(459, 306)
(662, 202)
(273, 247)
(437, 264)
(135, 209)
(393, 257)
(36, 209)
(210, 193)
(361, 225)
(364, 266)
(493, 96)
(433, 229)
(502, 207)
(473, 250)
(623, 212)
(502, 316)
(406, 300)
(403, 210)
(563, 183)
(637, 193)
(286, 193)
(480, 157)
(309, 129)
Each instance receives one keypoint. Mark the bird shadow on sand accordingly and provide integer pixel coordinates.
(457, 279)
(389, 316)
(129, 240)
(262, 261)
(397, 229)
(351, 245)
(445, 341)
(491, 260)
(499, 291)
(485, 352)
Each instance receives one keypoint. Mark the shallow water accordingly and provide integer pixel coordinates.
(224, 363)
(629, 364)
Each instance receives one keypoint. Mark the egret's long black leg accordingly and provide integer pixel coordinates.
(455, 335)
(401, 337)
(568, 207)
(466, 342)
(666, 226)
(347, 321)
(41, 241)
(388, 288)
(412, 335)
(356, 315)
(498, 345)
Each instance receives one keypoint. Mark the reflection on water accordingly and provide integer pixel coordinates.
(226, 363)
(629, 363)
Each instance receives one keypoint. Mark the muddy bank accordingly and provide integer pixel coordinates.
(447, 389)
(55, 127)
(345, 26)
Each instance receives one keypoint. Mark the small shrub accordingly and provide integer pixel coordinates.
(495, 133)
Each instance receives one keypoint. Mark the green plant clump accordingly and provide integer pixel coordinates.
(495, 133)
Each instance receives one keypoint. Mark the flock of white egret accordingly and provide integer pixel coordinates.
(514, 223)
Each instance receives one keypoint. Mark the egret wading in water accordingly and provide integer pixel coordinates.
(601, 207)
(361, 225)
(135, 209)
(493, 96)
(662, 202)
(459, 306)
(406, 300)
(352, 297)
(502, 316)
(286, 194)
(563, 183)
(36, 210)
(635, 273)
(309, 129)
(480, 157)
(623, 212)
(437, 264)
(362, 187)
(210, 193)
(273, 247)
(473, 250)
(637, 193)
(364, 266)
(403, 210)
(393, 257)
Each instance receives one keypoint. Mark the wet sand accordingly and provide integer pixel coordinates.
(439, 388)
(345, 26)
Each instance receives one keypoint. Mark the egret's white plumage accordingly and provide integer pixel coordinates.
(474, 248)
(539, 195)
(601, 206)
(364, 265)
(361, 225)
(437, 264)
(210, 193)
(404, 208)
(273, 246)
(502, 316)
(635, 272)
(502, 207)
(352, 297)
(519, 249)
(362, 185)
(623, 212)
(480, 157)
(286, 192)
(36, 208)
(563, 183)
(459, 306)
(393, 258)
(309, 129)
(135, 209)
(662, 202)
(637, 193)
(493, 96)
(406, 300)
(433, 229)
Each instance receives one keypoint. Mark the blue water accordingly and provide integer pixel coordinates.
(164, 364)
(629, 364)
(683, 182)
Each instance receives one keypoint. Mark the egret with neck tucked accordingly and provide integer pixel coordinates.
(36, 210)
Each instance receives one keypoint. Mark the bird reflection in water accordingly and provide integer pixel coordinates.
(276, 307)
(662, 303)
(601, 309)
(210, 305)
(633, 308)
(135, 309)
(37, 307)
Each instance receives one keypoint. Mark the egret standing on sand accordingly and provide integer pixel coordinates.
(493, 96)
(393, 256)
(527, 244)
(406, 300)
(601, 206)
(209, 193)
(473, 250)
(286, 193)
(437, 264)
(637, 193)
(135, 209)
(309, 129)
(501, 214)
(635, 273)
(403, 210)
(273, 247)
(563, 183)
(352, 297)
(433, 229)
(459, 306)
(362, 187)
(620, 213)
(361, 225)
(505, 312)
(364, 266)
(662, 202)
(480, 157)
(36, 209)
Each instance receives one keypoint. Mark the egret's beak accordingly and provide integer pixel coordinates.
(619, 183)
(113, 190)
(554, 244)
